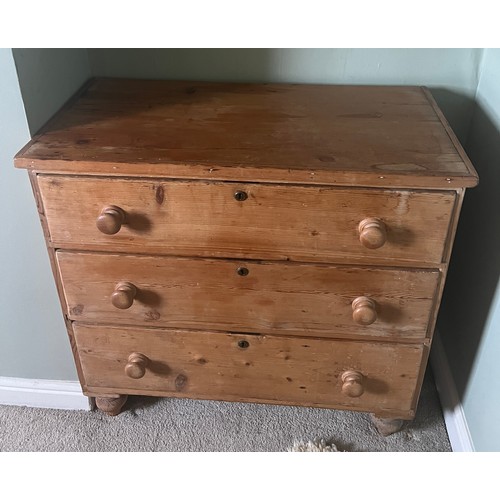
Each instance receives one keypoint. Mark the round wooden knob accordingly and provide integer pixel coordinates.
(110, 219)
(123, 296)
(136, 366)
(372, 233)
(352, 384)
(364, 311)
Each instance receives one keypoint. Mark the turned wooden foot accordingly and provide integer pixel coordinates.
(387, 426)
(111, 405)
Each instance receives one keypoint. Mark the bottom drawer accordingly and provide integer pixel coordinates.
(367, 376)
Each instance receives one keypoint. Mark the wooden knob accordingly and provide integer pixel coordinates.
(136, 366)
(110, 219)
(364, 311)
(372, 233)
(352, 384)
(123, 296)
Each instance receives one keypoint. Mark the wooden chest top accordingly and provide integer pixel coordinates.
(310, 134)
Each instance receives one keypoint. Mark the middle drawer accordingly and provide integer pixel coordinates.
(248, 296)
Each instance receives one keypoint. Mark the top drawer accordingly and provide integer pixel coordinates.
(244, 220)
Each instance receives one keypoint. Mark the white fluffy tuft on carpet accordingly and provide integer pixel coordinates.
(317, 445)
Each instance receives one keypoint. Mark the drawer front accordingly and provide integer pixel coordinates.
(247, 220)
(248, 296)
(249, 367)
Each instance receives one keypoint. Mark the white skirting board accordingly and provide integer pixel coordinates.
(453, 412)
(39, 393)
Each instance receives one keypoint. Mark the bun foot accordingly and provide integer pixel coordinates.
(387, 426)
(111, 406)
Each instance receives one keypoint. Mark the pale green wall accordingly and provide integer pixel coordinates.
(48, 78)
(33, 339)
(451, 73)
(32, 335)
(470, 317)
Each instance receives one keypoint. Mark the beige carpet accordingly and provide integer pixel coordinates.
(151, 424)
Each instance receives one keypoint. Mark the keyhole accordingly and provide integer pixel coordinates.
(240, 196)
(242, 271)
(243, 344)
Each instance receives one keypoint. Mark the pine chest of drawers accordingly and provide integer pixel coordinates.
(285, 244)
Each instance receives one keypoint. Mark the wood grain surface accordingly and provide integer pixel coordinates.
(291, 299)
(327, 134)
(251, 367)
(277, 243)
(273, 222)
